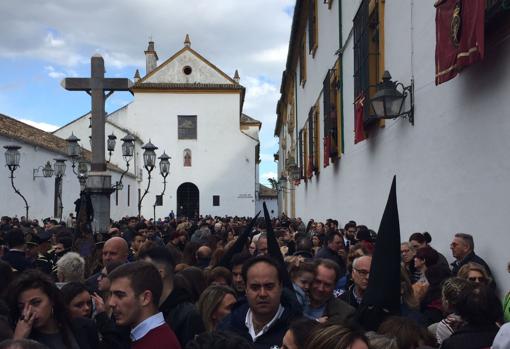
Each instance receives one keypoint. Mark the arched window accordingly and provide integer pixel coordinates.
(187, 158)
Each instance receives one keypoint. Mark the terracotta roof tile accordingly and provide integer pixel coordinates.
(266, 192)
(15, 129)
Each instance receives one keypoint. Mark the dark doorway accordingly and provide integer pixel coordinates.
(188, 198)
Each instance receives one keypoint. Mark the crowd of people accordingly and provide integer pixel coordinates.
(236, 282)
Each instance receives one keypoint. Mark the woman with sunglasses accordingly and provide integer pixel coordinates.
(474, 272)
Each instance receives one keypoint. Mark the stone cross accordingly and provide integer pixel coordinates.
(96, 86)
(98, 181)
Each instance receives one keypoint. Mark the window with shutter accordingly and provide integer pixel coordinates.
(301, 153)
(316, 139)
(368, 52)
(302, 63)
(313, 27)
(332, 117)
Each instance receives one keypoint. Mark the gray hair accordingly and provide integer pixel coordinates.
(356, 260)
(71, 267)
(468, 239)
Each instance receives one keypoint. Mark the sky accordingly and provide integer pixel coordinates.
(44, 41)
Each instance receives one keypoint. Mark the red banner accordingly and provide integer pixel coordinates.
(327, 147)
(459, 36)
(359, 128)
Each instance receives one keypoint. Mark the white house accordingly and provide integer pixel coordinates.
(49, 197)
(452, 165)
(193, 112)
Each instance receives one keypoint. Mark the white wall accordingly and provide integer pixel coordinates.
(452, 167)
(272, 206)
(40, 192)
(223, 158)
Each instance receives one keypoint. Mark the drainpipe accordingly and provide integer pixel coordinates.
(340, 57)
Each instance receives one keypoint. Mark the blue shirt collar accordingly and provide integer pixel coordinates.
(146, 326)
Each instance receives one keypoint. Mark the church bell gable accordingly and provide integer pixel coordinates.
(187, 67)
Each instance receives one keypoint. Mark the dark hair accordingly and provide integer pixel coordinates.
(261, 259)
(21, 344)
(350, 224)
(35, 279)
(110, 266)
(478, 305)
(300, 329)
(66, 241)
(219, 272)
(303, 267)
(333, 335)
(428, 254)
(142, 276)
(408, 333)
(159, 254)
(14, 237)
(219, 340)
(193, 280)
(239, 259)
(329, 264)
(6, 274)
(421, 238)
(71, 290)
(330, 236)
(304, 246)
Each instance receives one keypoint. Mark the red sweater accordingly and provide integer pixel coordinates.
(161, 337)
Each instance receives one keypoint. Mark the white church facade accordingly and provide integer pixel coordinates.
(192, 111)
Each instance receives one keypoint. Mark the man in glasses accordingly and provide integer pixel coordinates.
(360, 275)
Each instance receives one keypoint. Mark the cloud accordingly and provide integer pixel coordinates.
(51, 41)
(251, 36)
(267, 157)
(40, 125)
(273, 55)
(266, 175)
(52, 73)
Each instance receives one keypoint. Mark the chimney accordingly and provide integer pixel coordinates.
(236, 77)
(137, 76)
(151, 58)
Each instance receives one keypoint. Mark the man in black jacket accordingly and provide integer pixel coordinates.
(463, 250)
(175, 304)
(334, 244)
(264, 316)
(16, 258)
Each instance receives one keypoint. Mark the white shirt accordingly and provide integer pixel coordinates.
(146, 326)
(249, 323)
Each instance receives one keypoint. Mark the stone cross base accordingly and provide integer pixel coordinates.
(99, 186)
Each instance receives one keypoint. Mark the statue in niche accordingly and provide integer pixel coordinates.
(187, 158)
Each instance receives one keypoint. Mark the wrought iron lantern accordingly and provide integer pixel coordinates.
(73, 148)
(164, 164)
(110, 143)
(59, 167)
(149, 156)
(128, 147)
(12, 156)
(390, 99)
